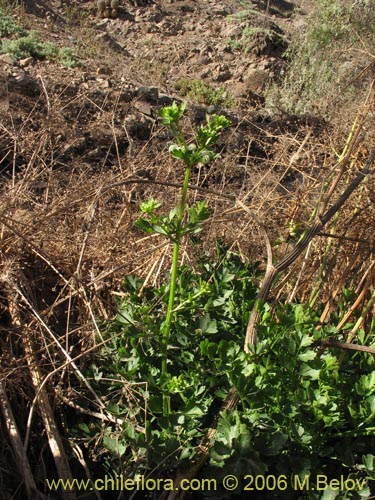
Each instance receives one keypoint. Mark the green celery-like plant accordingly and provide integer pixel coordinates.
(200, 151)
(201, 91)
(9, 27)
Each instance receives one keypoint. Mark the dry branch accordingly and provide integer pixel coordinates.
(273, 271)
(22, 462)
(346, 345)
(45, 409)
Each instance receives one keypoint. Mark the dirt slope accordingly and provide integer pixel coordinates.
(81, 146)
(65, 128)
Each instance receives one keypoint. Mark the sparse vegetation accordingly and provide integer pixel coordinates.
(31, 46)
(179, 372)
(243, 15)
(202, 92)
(9, 27)
(76, 15)
(19, 44)
(246, 41)
(325, 60)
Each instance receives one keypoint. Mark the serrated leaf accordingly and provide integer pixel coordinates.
(307, 356)
(307, 371)
(144, 225)
(208, 325)
(306, 340)
(369, 462)
(329, 494)
(114, 445)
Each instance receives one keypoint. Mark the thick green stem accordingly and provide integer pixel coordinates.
(172, 289)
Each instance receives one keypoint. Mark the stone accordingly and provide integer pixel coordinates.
(219, 10)
(25, 62)
(165, 100)
(221, 73)
(241, 91)
(256, 80)
(103, 70)
(150, 94)
(6, 58)
(105, 38)
(104, 84)
(232, 31)
(143, 107)
(229, 56)
(138, 126)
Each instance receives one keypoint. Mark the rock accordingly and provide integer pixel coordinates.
(24, 84)
(171, 27)
(150, 94)
(103, 70)
(165, 100)
(200, 60)
(102, 25)
(205, 73)
(104, 84)
(185, 7)
(143, 107)
(25, 62)
(219, 10)
(256, 80)
(229, 56)
(268, 42)
(241, 91)
(221, 73)
(105, 38)
(121, 96)
(138, 126)
(7, 59)
(232, 31)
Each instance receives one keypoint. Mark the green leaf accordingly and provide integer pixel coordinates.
(275, 444)
(329, 494)
(155, 403)
(308, 372)
(307, 356)
(161, 230)
(208, 348)
(144, 225)
(113, 444)
(195, 411)
(171, 115)
(299, 314)
(187, 454)
(113, 408)
(369, 462)
(149, 206)
(306, 340)
(125, 314)
(207, 325)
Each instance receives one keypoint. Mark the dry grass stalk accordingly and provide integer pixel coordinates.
(45, 409)
(23, 465)
(290, 258)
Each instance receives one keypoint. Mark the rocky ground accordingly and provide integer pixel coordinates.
(64, 126)
(234, 47)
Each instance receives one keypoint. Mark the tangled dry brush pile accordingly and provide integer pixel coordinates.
(81, 147)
